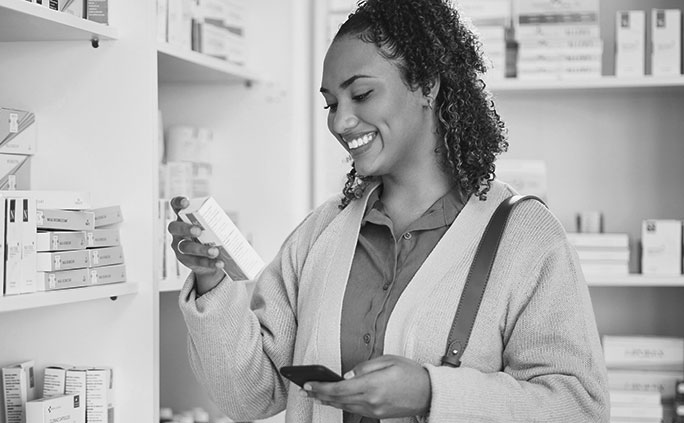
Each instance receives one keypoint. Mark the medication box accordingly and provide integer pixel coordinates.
(17, 132)
(106, 256)
(107, 274)
(661, 247)
(99, 394)
(60, 240)
(241, 260)
(62, 409)
(62, 279)
(54, 381)
(15, 172)
(105, 216)
(62, 260)
(70, 220)
(630, 43)
(69, 200)
(103, 238)
(19, 387)
(666, 30)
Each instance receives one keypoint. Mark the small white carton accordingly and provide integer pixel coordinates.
(60, 240)
(19, 387)
(630, 43)
(69, 220)
(54, 380)
(106, 256)
(61, 409)
(241, 261)
(100, 401)
(76, 378)
(105, 216)
(49, 261)
(17, 131)
(106, 237)
(661, 247)
(666, 36)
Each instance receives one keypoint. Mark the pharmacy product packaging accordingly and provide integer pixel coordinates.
(108, 237)
(105, 216)
(18, 387)
(62, 279)
(61, 409)
(48, 261)
(97, 11)
(106, 256)
(54, 380)
(72, 7)
(666, 37)
(630, 43)
(60, 240)
(100, 395)
(76, 382)
(107, 274)
(68, 200)
(17, 132)
(69, 220)
(15, 172)
(241, 261)
(661, 247)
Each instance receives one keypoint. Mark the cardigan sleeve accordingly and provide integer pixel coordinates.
(236, 348)
(553, 369)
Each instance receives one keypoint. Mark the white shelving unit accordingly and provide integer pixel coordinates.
(24, 21)
(605, 82)
(634, 280)
(176, 65)
(66, 296)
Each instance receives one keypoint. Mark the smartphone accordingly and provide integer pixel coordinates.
(309, 373)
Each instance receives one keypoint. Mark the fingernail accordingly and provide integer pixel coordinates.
(213, 252)
(306, 387)
(349, 374)
(303, 393)
(220, 265)
(195, 231)
(185, 202)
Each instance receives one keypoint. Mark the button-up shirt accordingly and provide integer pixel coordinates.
(384, 263)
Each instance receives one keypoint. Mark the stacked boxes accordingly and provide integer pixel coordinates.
(93, 10)
(490, 19)
(56, 240)
(212, 27)
(602, 253)
(17, 145)
(187, 170)
(558, 39)
(18, 387)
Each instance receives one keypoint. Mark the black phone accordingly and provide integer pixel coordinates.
(309, 373)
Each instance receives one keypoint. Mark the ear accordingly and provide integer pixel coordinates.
(431, 95)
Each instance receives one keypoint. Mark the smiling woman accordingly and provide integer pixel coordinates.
(368, 285)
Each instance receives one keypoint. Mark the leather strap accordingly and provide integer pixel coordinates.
(476, 282)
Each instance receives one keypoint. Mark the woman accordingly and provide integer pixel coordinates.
(368, 286)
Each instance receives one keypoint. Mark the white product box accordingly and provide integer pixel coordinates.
(644, 352)
(241, 260)
(100, 401)
(162, 19)
(72, 7)
(107, 274)
(13, 240)
(60, 240)
(15, 172)
(28, 245)
(105, 216)
(54, 380)
(645, 380)
(214, 40)
(97, 11)
(630, 43)
(62, 260)
(17, 132)
(62, 409)
(179, 24)
(70, 220)
(3, 246)
(68, 200)
(661, 247)
(604, 240)
(106, 256)
(62, 279)
(666, 35)
(76, 385)
(19, 387)
(108, 237)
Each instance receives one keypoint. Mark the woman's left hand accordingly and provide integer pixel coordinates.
(385, 387)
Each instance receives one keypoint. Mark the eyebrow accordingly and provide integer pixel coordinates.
(347, 83)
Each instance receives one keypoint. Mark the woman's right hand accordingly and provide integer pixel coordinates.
(199, 258)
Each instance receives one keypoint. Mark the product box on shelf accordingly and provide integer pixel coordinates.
(76, 384)
(241, 261)
(62, 279)
(644, 352)
(72, 7)
(17, 132)
(62, 409)
(107, 274)
(15, 172)
(62, 260)
(99, 395)
(20, 246)
(97, 11)
(179, 24)
(661, 247)
(106, 256)
(630, 43)
(105, 237)
(54, 380)
(666, 36)
(68, 200)
(105, 216)
(18, 387)
(71, 220)
(60, 240)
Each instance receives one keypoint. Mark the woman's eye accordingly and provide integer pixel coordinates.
(362, 97)
(330, 107)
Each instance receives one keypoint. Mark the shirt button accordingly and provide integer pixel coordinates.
(407, 235)
(367, 338)
(386, 286)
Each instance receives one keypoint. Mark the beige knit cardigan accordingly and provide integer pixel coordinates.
(534, 353)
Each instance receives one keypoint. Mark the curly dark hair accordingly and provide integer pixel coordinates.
(428, 41)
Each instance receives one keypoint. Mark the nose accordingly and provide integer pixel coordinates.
(343, 120)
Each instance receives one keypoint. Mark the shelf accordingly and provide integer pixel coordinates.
(606, 82)
(65, 296)
(24, 21)
(176, 65)
(634, 280)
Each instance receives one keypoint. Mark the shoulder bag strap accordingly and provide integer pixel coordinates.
(476, 282)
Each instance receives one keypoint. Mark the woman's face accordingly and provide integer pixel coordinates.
(371, 111)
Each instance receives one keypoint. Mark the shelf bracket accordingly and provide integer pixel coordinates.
(95, 42)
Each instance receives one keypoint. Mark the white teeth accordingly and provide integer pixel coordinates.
(358, 142)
